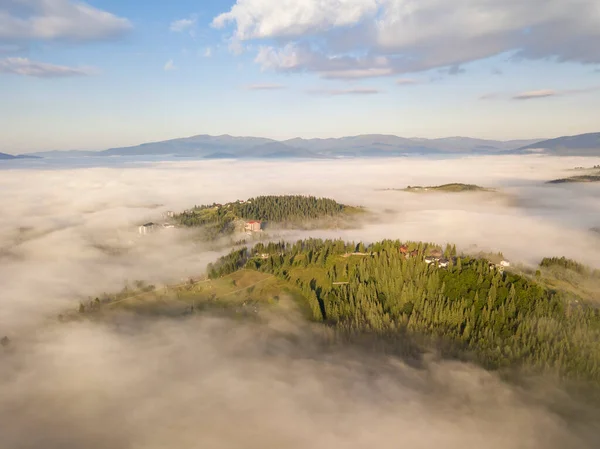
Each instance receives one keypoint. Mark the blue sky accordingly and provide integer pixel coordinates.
(111, 73)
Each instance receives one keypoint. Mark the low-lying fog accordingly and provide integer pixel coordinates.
(210, 383)
(70, 233)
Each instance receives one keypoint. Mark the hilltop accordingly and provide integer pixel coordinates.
(410, 295)
(467, 305)
(256, 214)
(455, 187)
(594, 177)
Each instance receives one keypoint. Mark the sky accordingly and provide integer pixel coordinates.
(106, 73)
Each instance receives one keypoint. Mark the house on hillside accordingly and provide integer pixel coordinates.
(436, 253)
(505, 263)
(430, 260)
(404, 249)
(253, 226)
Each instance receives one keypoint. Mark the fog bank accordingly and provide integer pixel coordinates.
(207, 382)
(67, 233)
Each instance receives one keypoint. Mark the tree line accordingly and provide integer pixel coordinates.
(569, 264)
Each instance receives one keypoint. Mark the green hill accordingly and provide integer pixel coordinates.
(452, 187)
(502, 319)
(391, 292)
(594, 177)
(286, 210)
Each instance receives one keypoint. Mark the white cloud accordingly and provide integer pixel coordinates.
(265, 87)
(413, 36)
(265, 19)
(543, 93)
(357, 73)
(406, 81)
(297, 58)
(169, 65)
(57, 19)
(181, 25)
(490, 96)
(352, 91)
(26, 67)
(208, 52)
(538, 93)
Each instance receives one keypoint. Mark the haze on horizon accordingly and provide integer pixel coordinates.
(111, 73)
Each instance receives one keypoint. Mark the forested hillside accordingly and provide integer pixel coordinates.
(220, 218)
(453, 187)
(504, 319)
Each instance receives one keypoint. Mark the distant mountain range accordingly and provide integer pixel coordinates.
(580, 145)
(5, 156)
(368, 145)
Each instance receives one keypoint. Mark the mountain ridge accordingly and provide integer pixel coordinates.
(225, 146)
(587, 144)
(8, 157)
(363, 145)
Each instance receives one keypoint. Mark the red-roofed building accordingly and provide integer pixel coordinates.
(253, 226)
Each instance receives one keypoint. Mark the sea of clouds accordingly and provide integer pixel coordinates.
(70, 232)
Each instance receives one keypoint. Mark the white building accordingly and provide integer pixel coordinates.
(443, 263)
(147, 228)
(505, 263)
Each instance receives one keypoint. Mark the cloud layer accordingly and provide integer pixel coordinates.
(400, 36)
(183, 383)
(265, 87)
(351, 91)
(26, 67)
(535, 94)
(68, 232)
(57, 19)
